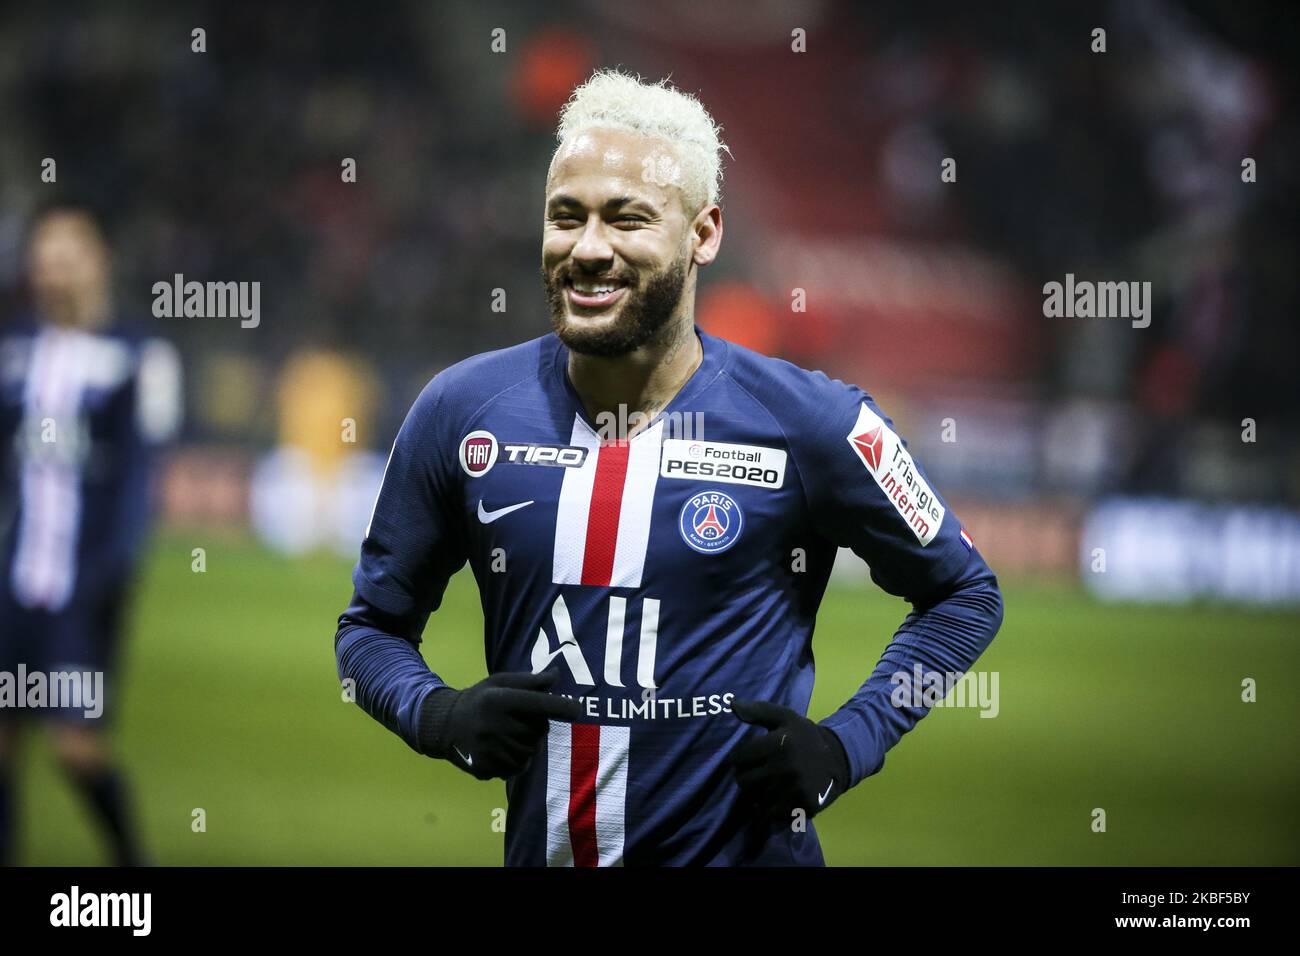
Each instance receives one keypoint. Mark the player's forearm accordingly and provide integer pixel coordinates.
(946, 638)
(390, 678)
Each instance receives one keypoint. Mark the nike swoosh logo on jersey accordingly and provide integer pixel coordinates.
(469, 761)
(487, 517)
(821, 797)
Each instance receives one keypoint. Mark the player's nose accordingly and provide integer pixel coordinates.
(593, 247)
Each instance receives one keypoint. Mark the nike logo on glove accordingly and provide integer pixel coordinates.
(821, 797)
(469, 761)
(487, 517)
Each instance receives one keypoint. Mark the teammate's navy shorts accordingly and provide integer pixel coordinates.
(84, 638)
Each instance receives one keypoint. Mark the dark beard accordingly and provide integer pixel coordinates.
(642, 318)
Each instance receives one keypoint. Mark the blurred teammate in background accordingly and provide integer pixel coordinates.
(84, 404)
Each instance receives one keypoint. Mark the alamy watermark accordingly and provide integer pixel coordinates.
(1101, 300)
(922, 688)
(179, 299)
(617, 426)
(56, 690)
(133, 911)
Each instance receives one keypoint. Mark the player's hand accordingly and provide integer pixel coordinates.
(796, 764)
(493, 728)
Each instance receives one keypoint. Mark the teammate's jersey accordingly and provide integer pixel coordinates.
(662, 577)
(80, 415)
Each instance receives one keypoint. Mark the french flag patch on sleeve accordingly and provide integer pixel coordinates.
(966, 540)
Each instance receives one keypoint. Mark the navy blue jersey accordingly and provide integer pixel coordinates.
(662, 577)
(80, 417)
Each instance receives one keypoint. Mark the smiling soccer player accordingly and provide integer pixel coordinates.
(650, 598)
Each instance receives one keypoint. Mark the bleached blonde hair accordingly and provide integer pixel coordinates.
(611, 99)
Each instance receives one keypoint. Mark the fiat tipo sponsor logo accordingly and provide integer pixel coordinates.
(480, 450)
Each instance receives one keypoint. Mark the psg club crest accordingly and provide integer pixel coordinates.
(478, 453)
(710, 522)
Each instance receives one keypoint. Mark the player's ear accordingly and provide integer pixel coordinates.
(706, 234)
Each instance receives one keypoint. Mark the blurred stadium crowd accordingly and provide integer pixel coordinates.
(1124, 166)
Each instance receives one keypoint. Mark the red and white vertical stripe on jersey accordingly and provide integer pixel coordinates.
(586, 794)
(602, 524)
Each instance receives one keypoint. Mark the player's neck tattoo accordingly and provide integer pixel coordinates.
(676, 334)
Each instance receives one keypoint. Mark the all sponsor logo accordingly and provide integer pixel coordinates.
(890, 464)
(710, 522)
(719, 461)
(478, 453)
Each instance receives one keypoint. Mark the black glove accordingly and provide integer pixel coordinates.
(797, 764)
(493, 728)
